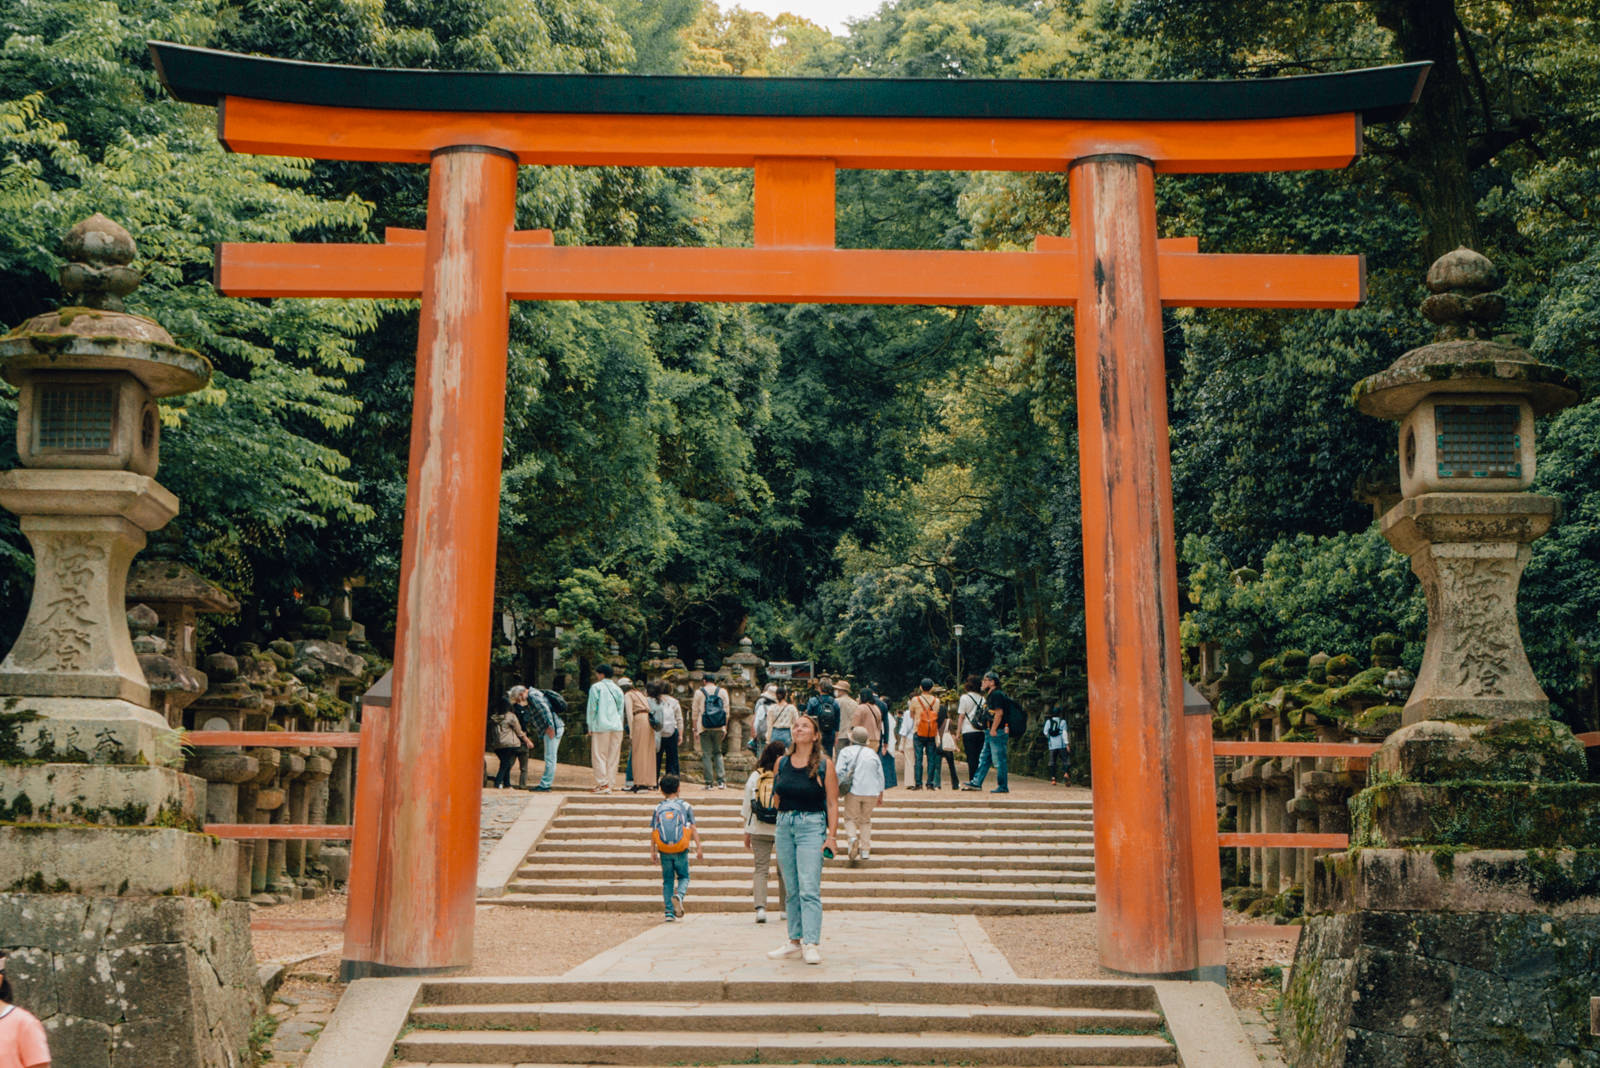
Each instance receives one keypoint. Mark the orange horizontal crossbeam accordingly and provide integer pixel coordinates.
(274, 739)
(790, 275)
(400, 136)
(1283, 840)
(279, 830)
(1295, 749)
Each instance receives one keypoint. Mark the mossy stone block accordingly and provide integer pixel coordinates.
(1529, 750)
(1482, 814)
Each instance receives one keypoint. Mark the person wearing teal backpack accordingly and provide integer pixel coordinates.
(672, 831)
(711, 730)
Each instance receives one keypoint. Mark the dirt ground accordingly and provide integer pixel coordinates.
(507, 939)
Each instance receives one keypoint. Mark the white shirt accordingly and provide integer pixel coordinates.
(671, 715)
(969, 703)
(866, 770)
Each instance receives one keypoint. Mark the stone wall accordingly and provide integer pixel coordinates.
(134, 982)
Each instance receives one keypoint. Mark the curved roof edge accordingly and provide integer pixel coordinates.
(205, 76)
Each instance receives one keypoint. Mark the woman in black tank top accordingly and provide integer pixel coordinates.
(807, 788)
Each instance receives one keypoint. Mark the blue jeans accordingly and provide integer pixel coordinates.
(995, 748)
(799, 847)
(551, 745)
(674, 876)
(782, 734)
(929, 748)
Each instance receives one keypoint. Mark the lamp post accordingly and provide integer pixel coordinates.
(958, 629)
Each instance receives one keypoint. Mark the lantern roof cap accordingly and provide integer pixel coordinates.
(1463, 358)
(93, 331)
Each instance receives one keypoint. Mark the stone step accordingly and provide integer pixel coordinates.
(1056, 993)
(1083, 860)
(837, 1047)
(922, 803)
(912, 832)
(742, 1064)
(873, 870)
(701, 886)
(900, 822)
(737, 1016)
(887, 846)
(651, 902)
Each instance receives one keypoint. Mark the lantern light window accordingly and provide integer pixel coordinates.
(75, 418)
(1479, 441)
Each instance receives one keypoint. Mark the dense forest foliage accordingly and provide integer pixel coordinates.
(844, 483)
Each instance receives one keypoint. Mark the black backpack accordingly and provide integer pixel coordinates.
(715, 713)
(827, 713)
(558, 704)
(1016, 720)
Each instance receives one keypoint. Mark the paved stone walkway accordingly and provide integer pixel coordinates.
(1262, 1037)
(500, 810)
(855, 945)
(300, 1010)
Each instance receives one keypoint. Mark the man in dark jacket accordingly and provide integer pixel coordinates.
(1006, 720)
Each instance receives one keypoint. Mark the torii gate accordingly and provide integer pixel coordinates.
(413, 879)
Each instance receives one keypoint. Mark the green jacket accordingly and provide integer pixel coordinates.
(604, 712)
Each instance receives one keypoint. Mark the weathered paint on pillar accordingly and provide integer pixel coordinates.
(1144, 889)
(428, 838)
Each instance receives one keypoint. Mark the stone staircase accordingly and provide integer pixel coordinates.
(527, 1022)
(957, 853)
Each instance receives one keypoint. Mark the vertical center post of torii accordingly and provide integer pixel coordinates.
(429, 826)
(1144, 883)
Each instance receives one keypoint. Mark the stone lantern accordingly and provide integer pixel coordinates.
(89, 439)
(127, 906)
(1466, 406)
(1444, 934)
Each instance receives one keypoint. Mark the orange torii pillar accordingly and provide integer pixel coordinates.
(414, 855)
(1143, 879)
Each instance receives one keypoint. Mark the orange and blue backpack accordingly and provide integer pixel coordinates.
(672, 826)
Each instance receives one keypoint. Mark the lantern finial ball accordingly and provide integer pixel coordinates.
(97, 274)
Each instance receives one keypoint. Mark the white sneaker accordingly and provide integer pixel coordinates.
(812, 954)
(677, 905)
(784, 952)
(866, 854)
(854, 848)
(761, 915)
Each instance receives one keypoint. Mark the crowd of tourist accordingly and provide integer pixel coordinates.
(829, 761)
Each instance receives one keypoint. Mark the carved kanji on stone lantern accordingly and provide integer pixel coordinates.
(1466, 405)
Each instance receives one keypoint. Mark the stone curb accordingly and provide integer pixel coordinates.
(1204, 1027)
(991, 963)
(366, 1025)
(508, 854)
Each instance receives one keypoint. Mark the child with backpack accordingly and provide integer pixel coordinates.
(1058, 740)
(672, 831)
(760, 812)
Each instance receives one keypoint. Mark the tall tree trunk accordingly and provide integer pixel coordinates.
(1434, 168)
